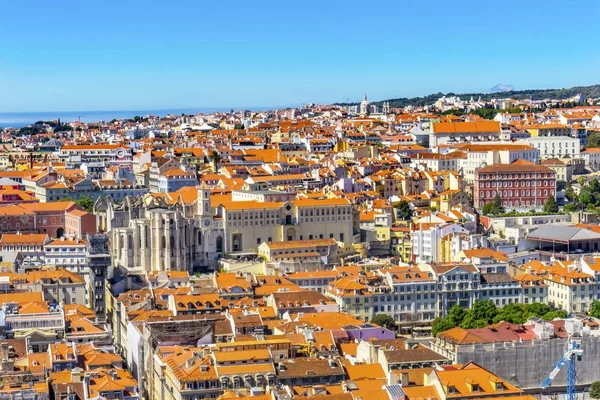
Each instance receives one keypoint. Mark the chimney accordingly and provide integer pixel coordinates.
(404, 379)
(392, 378)
(76, 375)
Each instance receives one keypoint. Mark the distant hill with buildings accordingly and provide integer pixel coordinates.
(534, 94)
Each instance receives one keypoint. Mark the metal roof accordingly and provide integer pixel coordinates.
(564, 233)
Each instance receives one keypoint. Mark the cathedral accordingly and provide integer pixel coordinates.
(157, 233)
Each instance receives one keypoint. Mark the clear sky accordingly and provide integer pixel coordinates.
(73, 55)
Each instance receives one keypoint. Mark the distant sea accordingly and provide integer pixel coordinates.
(17, 120)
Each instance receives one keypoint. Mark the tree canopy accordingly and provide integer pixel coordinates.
(593, 140)
(550, 205)
(595, 309)
(384, 320)
(404, 210)
(595, 390)
(494, 208)
(589, 195)
(86, 202)
(485, 312)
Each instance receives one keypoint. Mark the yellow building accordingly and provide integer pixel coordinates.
(351, 296)
(400, 242)
(446, 248)
(547, 130)
(250, 223)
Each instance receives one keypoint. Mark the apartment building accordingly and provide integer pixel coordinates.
(482, 155)
(313, 280)
(555, 146)
(353, 296)
(31, 246)
(27, 316)
(110, 154)
(464, 132)
(427, 239)
(324, 249)
(65, 253)
(458, 284)
(250, 223)
(500, 288)
(570, 289)
(520, 184)
(413, 295)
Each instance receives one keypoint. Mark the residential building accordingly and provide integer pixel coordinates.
(464, 132)
(555, 146)
(521, 184)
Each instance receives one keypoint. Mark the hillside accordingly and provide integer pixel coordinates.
(535, 94)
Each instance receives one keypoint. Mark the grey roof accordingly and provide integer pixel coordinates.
(563, 233)
(498, 277)
(8, 182)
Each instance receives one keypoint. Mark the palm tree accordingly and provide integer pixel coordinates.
(215, 157)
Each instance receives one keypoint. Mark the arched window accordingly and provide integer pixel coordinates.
(199, 237)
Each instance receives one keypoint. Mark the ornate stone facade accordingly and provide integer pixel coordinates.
(151, 233)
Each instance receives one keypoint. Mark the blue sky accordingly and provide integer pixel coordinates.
(131, 55)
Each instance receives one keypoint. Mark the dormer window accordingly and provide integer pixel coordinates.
(451, 389)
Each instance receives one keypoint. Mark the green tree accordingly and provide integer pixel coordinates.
(595, 390)
(481, 314)
(441, 324)
(470, 322)
(570, 193)
(404, 211)
(513, 312)
(593, 140)
(595, 309)
(215, 157)
(384, 320)
(137, 118)
(549, 316)
(494, 208)
(538, 309)
(487, 208)
(570, 208)
(497, 207)
(456, 315)
(86, 202)
(550, 205)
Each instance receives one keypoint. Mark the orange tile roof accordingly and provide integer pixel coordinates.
(465, 127)
(29, 239)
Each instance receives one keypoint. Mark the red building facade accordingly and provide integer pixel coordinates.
(521, 184)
